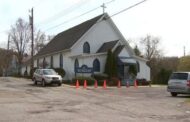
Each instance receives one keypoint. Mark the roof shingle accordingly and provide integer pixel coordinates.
(118, 49)
(106, 46)
(66, 39)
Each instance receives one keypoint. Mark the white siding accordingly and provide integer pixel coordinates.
(96, 36)
(124, 53)
(41, 61)
(48, 61)
(23, 69)
(35, 63)
(69, 68)
(144, 71)
(56, 61)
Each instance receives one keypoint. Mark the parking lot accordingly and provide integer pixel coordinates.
(21, 101)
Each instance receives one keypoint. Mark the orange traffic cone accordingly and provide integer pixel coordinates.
(96, 84)
(104, 85)
(135, 84)
(119, 84)
(85, 84)
(77, 84)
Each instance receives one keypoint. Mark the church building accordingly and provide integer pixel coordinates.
(82, 50)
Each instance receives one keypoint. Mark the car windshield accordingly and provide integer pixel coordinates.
(180, 76)
(49, 72)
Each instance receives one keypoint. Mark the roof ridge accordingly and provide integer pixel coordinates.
(66, 39)
(107, 45)
(81, 24)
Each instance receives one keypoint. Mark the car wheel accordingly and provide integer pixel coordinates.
(174, 94)
(43, 83)
(35, 82)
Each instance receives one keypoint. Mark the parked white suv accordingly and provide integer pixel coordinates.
(179, 83)
(46, 76)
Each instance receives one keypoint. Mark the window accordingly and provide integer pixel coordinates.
(37, 63)
(61, 61)
(44, 63)
(96, 65)
(138, 67)
(86, 47)
(51, 61)
(180, 76)
(76, 64)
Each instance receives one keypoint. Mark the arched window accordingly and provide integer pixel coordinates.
(76, 64)
(96, 65)
(51, 61)
(138, 67)
(61, 61)
(86, 47)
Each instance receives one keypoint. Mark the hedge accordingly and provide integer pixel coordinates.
(60, 71)
(90, 80)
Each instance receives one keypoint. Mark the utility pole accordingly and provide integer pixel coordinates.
(31, 19)
(103, 7)
(7, 55)
(8, 42)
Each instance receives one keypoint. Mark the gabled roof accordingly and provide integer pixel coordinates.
(66, 39)
(118, 49)
(106, 46)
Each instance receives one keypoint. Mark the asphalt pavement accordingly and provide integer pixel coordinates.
(21, 101)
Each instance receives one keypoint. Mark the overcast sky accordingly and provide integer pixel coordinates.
(167, 19)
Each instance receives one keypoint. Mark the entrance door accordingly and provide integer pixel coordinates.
(126, 74)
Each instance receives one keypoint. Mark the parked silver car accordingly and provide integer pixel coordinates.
(179, 83)
(46, 76)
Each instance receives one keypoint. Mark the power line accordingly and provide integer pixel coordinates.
(109, 2)
(132, 6)
(72, 19)
(78, 16)
(65, 12)
(128, 8)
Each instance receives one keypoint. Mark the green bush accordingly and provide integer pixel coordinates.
(90, 80)
(100, 76)
(113, 81)
(60, 71)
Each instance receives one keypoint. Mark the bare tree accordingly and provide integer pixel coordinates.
(40, 40)
(19, 38)
(6, 58)
(151, 44)
(151, 47)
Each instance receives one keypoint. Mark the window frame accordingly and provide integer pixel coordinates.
(61, 60)
(96, 65)
(51, 63)
(86, 47)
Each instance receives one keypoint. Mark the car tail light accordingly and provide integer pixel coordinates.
(188, 83)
